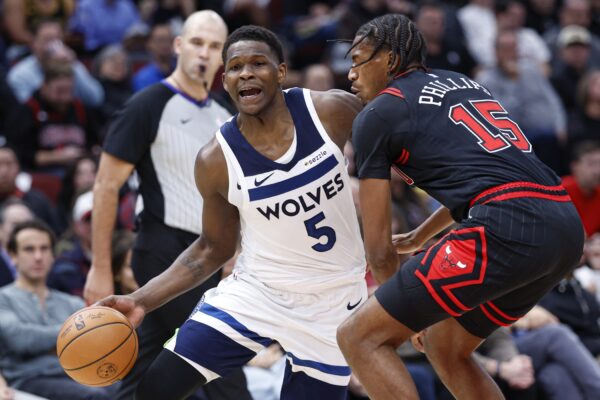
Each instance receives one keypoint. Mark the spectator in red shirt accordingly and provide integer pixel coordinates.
(583, 184)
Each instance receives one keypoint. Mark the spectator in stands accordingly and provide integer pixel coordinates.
(54, 128)
(31, 315)
(511, 15)
(162, 63)
(542, 14)
(479, 25)
(78, 180)
(512, 370)
(572, 64)
(577, 308)
(113, 70)
(122, 245)
(21, 16)
(573, 12)
(103, 22)
(74, 257)
(12, 213)
(583, 184)
(35, 200)
(563, 366)
(529, 98)
(589, 273)
(584, 124)
(441, 52)
(27, 76)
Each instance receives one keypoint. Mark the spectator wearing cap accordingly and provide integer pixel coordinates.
(73, 259)
(103, 22)
(27, 76)
(35, 200)
(573, 12)
(574, 50)
(160, 48)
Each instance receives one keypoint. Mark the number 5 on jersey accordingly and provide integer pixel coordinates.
(318, 233)
(507, 132)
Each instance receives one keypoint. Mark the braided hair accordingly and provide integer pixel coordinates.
(398, 33)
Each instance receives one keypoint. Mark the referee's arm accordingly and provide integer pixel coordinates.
(112, 174)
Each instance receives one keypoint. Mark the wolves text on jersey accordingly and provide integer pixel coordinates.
(304, 202)
(434, 91)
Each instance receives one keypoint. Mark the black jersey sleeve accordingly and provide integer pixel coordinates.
(377, 134)
(134, 127)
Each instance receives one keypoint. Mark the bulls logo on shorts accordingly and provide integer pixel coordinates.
(457, 261)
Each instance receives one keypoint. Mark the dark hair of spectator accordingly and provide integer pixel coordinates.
(57, 70)
(67, 195)
(397, 33)
(256, 34)
(35, 224)
(583, 148)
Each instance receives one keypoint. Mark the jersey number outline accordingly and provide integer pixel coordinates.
(508, 132)
(318, 233)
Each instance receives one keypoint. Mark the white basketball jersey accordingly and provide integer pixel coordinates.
(298, 223)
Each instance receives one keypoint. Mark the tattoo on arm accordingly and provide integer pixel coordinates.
(197, 269)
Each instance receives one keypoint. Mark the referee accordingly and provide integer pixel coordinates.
(158, 133)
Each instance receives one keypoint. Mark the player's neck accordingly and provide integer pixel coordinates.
(273, 118)
(184, 84)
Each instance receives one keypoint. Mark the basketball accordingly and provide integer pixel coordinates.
(97, 346)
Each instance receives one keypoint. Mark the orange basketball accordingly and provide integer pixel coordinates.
(97, 346)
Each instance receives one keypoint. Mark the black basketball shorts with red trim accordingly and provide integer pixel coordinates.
(518, 242)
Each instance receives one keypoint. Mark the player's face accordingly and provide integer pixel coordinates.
(34, 255)
(371, 77)
(199, 50)
(253, 75)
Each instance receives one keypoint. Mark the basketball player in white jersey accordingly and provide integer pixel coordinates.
(274, 175)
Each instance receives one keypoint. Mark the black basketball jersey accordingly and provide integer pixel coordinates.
(446, 134)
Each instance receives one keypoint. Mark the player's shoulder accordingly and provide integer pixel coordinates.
(335, 99)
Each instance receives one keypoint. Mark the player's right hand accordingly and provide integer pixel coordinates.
(406, 243)
(126, 305)
(98, 285)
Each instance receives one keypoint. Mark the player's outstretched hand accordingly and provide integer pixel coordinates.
(127, 305)
(406, 243)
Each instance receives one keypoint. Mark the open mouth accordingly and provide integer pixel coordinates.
(250, 92)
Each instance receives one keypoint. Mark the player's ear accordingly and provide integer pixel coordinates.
(281, 72)
(223, 80)
(393, 62)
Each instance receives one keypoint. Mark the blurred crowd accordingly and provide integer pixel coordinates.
(67, 65)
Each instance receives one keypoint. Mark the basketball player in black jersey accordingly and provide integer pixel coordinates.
(518, 233)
